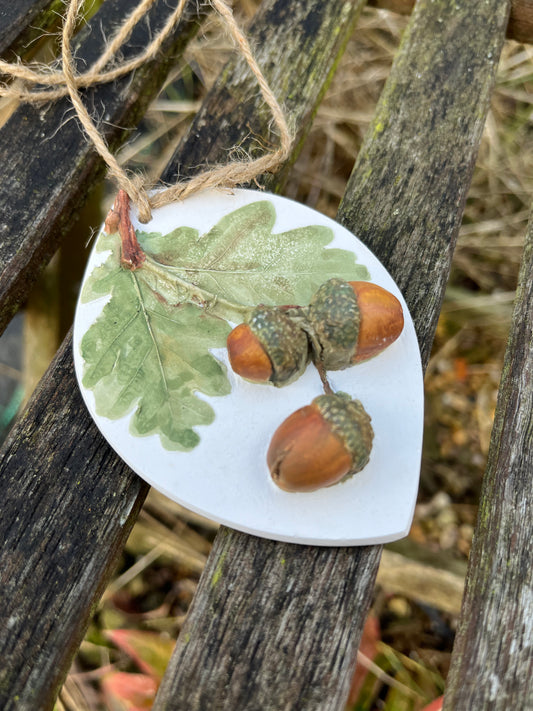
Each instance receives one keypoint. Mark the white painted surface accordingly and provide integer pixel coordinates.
(226, 478)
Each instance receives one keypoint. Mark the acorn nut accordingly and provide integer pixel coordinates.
(351, 321)
(320, 444)
(270, 348)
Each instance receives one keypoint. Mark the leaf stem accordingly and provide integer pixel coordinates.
(132, 256)
(195, 294)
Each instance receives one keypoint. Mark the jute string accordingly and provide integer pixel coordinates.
(67, 81)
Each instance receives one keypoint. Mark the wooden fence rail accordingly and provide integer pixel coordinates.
(273, 625)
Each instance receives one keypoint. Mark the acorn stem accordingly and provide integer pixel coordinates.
(323, 377)
(316, 348)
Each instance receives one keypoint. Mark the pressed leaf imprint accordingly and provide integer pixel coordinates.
(148, 352)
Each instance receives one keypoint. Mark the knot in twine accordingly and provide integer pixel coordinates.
(68, 82)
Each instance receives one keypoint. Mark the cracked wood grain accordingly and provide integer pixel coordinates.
(492, 661)
(66, 513)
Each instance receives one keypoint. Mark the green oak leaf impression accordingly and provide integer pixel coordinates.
(148, 352)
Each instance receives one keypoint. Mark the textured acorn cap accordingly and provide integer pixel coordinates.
(352, 321)
(349, 420)
(333, 315)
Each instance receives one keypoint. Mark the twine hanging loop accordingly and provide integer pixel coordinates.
(69, 82)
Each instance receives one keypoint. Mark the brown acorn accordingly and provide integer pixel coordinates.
(270, 348)
(320, 444)
(351, 321)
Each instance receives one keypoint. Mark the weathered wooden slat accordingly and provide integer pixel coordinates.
(54, 518)
(492, 662)
(273, 625)
(411, 178)
(45, 173)
(24, 20)
(520, 27)
(40, 468)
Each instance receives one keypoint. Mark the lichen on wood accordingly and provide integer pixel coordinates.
(492, 660)
(406, 196)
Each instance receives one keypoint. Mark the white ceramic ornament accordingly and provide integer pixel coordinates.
(154, 372)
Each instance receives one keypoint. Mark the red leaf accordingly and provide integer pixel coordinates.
(148, 650)
(129, 692)
(368, 647)
(435, 705)
(460, 366)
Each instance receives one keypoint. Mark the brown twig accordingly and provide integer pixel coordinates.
(323, 377)
(299, 313)
(119, 218)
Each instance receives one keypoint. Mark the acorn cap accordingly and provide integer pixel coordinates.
(271, 347)
(320, 444)
(333, 315)
(350, 421)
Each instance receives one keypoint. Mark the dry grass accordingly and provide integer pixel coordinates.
(168, 547)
